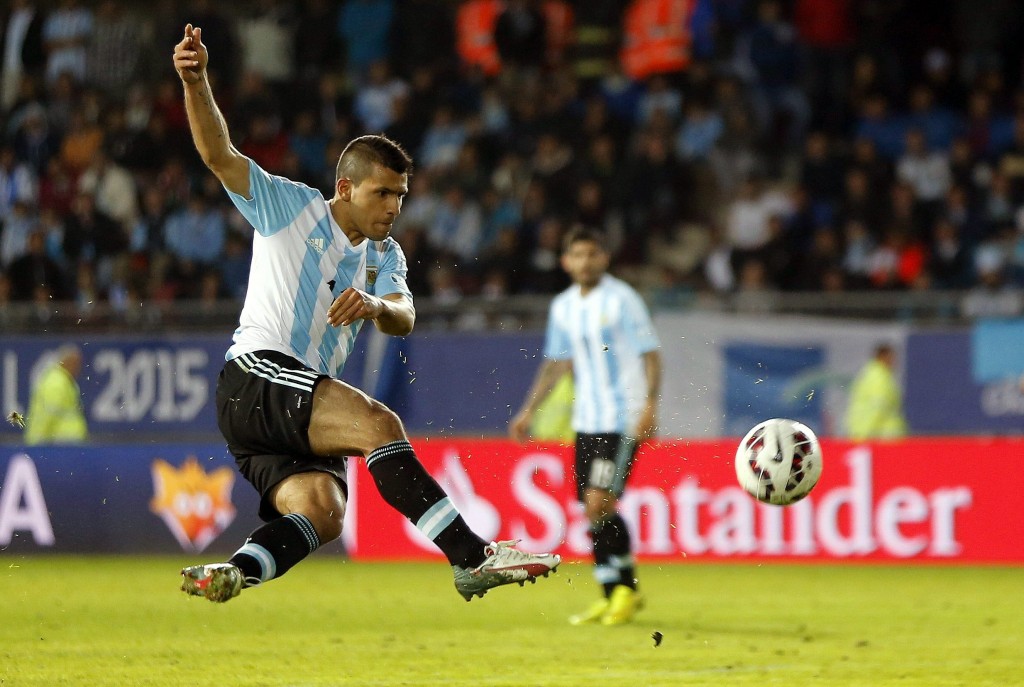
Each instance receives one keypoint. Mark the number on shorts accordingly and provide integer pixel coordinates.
(602, 473)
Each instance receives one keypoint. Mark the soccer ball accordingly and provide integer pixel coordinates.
(779, 461)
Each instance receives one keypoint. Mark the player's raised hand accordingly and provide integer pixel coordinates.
(519, 427)
(353, 304)
(647, 424)
(190, 55)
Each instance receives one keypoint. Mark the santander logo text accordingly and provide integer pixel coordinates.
(927, 499)
(847, 519)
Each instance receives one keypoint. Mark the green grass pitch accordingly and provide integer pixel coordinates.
(121, 621)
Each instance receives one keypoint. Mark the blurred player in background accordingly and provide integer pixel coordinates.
(600, 329)
(320, 269)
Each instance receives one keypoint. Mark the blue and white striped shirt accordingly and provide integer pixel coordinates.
(605, 334)
(301, 261)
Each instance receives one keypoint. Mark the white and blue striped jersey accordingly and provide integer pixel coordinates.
(604, 333)
(301, 261)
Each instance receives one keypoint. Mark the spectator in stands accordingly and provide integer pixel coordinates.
(822, 257)
(55, 414)
(700, 131)
(656, 171)
(113, 187)
(196, 232)
(544, 273)
(427, 36)
(442, 140)
(17, 227)
(877, 124)
(774, 58)
(475, 22)
(926, 170)
(520, 33)
(314, 42)
(309, 143)
(875, 407)
(949, 260)
(458, 226)
(34, 140)
(18, 182)
(21, 48)
(827, 30)
(82, 142)
(266, 35)
(553, 166)
(656, 38)
(66, 35)
(992, 296)
(660, 98)
(374, 104)
(35, 268)
(593, 53)
(266, 142)
(364, 27)
(114, 53)
(94, 236)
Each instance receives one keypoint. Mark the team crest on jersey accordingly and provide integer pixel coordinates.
(371, 276)
(194, 504)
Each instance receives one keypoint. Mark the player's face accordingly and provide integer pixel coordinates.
(376, 202)
(585, 262)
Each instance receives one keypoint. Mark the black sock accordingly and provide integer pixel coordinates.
(409, 489)
(271, 550)
(613, 560)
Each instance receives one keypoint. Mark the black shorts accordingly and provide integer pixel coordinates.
(264, 405)
(603, 461)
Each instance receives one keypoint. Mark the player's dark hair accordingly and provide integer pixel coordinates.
(579, 234)
(361, 154)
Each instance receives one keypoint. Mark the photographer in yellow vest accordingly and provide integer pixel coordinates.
(55, 414)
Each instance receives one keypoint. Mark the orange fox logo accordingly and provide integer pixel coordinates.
(195, 505)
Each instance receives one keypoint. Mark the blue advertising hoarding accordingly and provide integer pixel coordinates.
(147, 498)
(128, 384)
(763, 381)
(966, 382)
(721, 377)
(440, 383)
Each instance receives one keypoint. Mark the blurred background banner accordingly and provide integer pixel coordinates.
(960, 382)
(122, 499)
(129, 384)
(929, 500)
(723, 374)
(767, 381)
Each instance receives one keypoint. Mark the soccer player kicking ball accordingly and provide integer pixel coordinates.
(320, 269)
(601, 331)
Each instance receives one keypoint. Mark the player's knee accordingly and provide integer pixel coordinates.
(327, 516)
(599, 505)
(386, 424)
(328, 526)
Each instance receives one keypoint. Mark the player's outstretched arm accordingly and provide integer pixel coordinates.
(547, 376)
(209, 130)
(647, 426)
(392, 314)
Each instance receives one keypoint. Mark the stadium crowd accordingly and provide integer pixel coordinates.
(751, 146)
